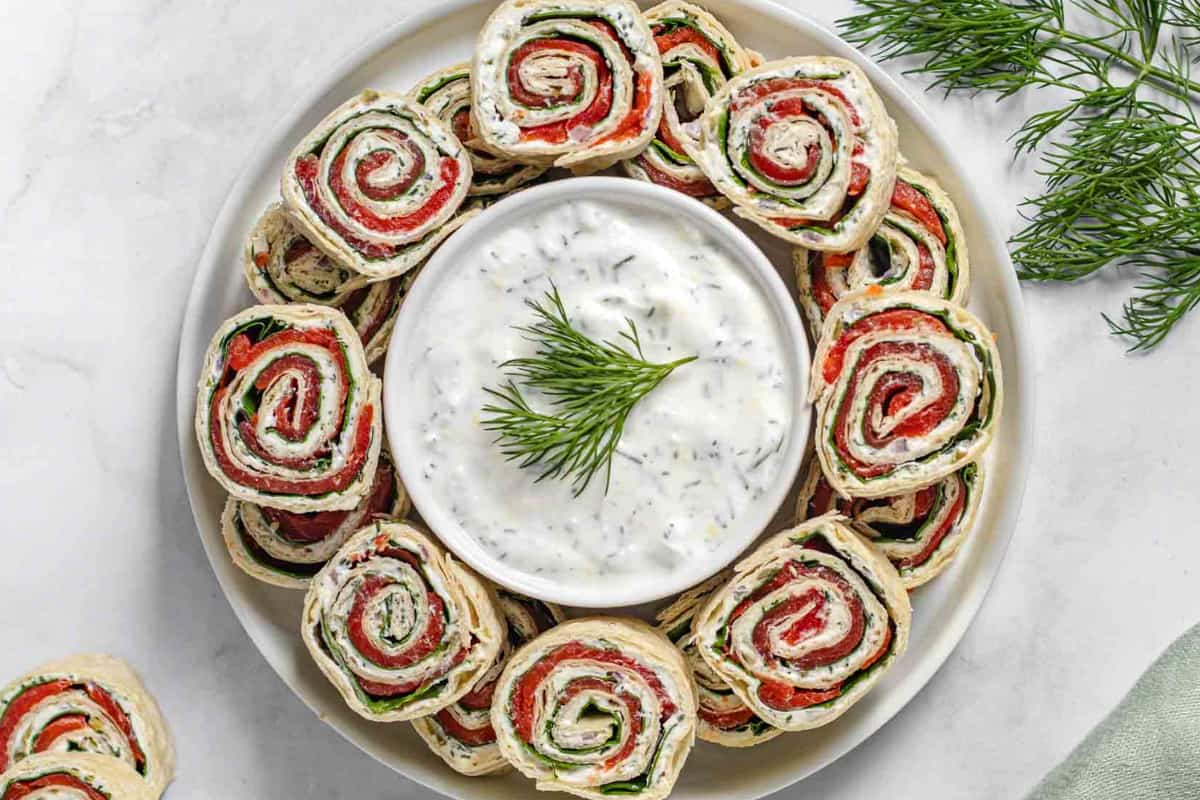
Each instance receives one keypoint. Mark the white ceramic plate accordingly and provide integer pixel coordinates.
(942, 610)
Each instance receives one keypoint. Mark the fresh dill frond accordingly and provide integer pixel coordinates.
(1119, 152)
(590, 386)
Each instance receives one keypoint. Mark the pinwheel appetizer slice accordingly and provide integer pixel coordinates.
(398, 626)
(919, 245)
(83, 704)
(287, 412)
(287, 549)
(598, 706)
(722, 717)
(377, 184)
(462, 733)
(907, 390)
(920, 532)
(73, 776)
(810, 621)
(284, 267)
(699, 56)
(804, 148)
(447, 95)
(575, 83)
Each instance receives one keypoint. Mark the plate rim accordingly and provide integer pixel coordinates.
(1020, 402)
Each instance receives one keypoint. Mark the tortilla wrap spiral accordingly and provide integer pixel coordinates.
(398, 625)
(597, 706)
(809, 623)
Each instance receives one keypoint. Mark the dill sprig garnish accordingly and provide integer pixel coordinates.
(1119, 152)
(590, 385)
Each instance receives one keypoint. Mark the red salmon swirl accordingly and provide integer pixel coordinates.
(919, 532)
(699, 56)
(287, 549)
(919, 246)
(287, 411)
(282, 266)
(809, 622)
(85, 704)
(722, 717)
(804, 148)
(73, 776)
(377, 184)
(398, 626)
(907, 390)
(576, 84)
(595, 707)
(462, 733)
(447, 95)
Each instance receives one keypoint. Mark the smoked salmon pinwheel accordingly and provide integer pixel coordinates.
(597, 706)
(918, 531)
(462, 733)
(722, 716)
(287, 412)
(73, 776)
(282, 266)
(699, 56)
(907, 390)
(804, 148)
(84, 704)
(447, 95)
(286, 549)
(377, 184)
(398, 626)
(574, 83)
(808, 624)
(919, 245)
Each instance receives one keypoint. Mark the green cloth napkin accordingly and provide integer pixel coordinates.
(1149, 746)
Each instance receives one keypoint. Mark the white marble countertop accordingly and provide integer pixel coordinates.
(123, 130)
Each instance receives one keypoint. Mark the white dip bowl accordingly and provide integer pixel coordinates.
(677, 509)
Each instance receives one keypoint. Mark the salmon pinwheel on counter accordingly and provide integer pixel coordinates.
(597, 706)
(447, 95)
(462, 733)
(398, 625)
(919, 245)
(573, 83)
(287, 549)
(699, 56)
(810, 621)
(804, 148)
(920, 532)
(73, 776)
(377, 185)
(722, 717)
(92, 704)
(907, 390)
(287, 410)
(282, 266)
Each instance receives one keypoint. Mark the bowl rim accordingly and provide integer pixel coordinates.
(510, 212)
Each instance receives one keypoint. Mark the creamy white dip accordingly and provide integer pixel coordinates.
(696, 452)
